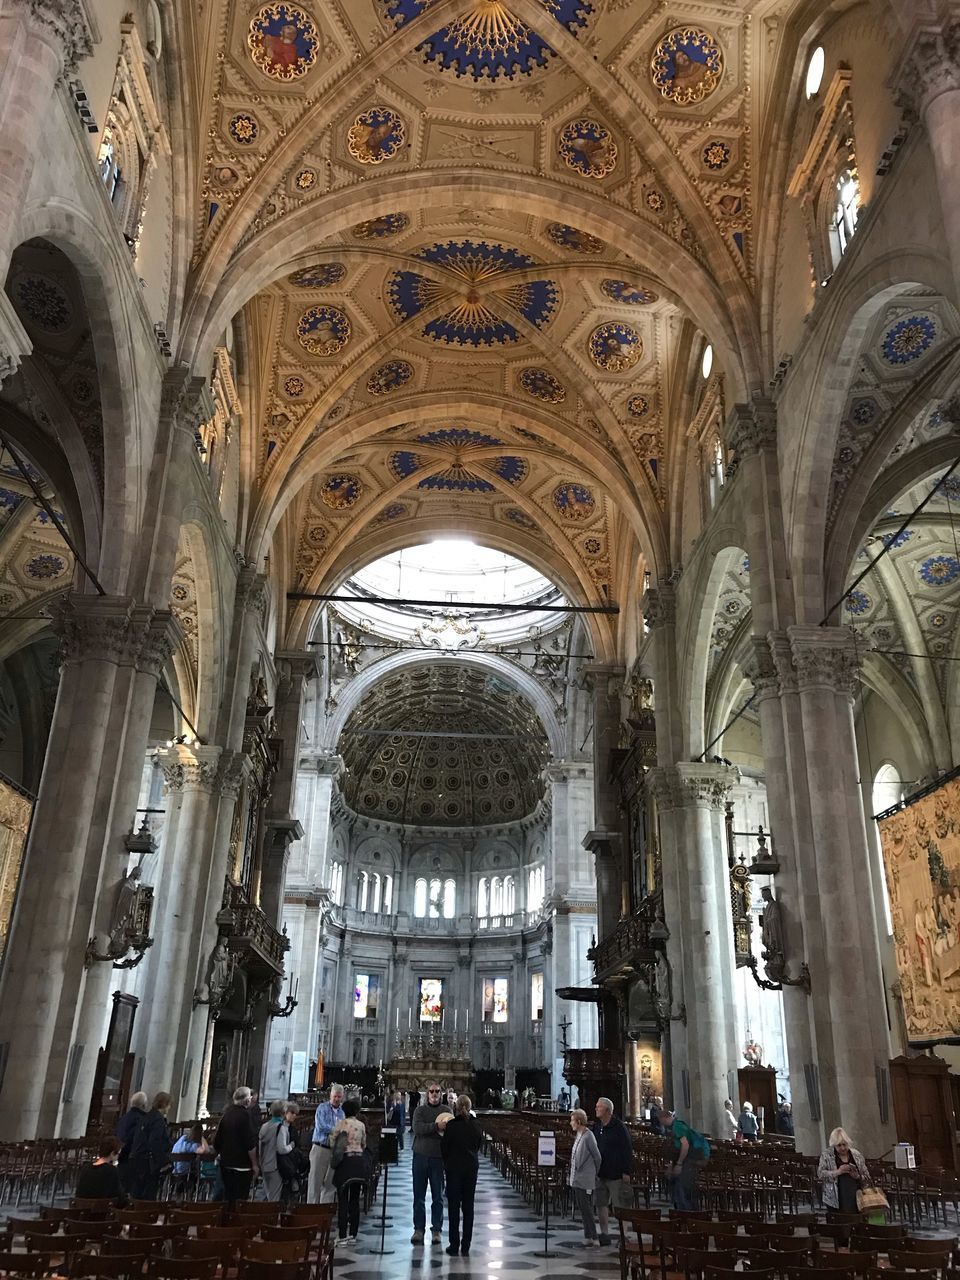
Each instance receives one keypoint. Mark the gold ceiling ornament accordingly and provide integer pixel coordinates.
(488, 28)
(376, 135)
(588, 148)
(687, 65)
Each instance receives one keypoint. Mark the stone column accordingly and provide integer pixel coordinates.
(929, 84)
(39, 41)
(605, 847)
(690, 800)
(191, 775)
(818, 667)
(51, 1005)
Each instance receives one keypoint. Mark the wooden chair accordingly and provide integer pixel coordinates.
(158, 1230)
(632, 1258)
(26, 1264)
(197, 1214)
(874, 1231)
(724, 1273)
(183, 1268)
(768, 1228)
(118, 1247)
(924, 1244)
(920, 1259)
(89, 1266)
(232, 1235)
(692, 1262)
(859, 1264)
(275, 1251)
(131, 1216)
(891, 1273)
(249, 1270)
(808, 1220)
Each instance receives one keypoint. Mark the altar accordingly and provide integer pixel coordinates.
(434, 1056)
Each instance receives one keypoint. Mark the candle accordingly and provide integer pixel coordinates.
(398, 1018)
(409, 1018)
(455, 1022)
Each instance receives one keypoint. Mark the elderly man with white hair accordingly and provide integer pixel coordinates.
(320, 1188)
(235, 1142)
(614, 1177)
(127, 1127)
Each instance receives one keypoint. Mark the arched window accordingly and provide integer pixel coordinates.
(336, 882)
(846, 210)
(362, 889)
(535, 888)
(375, 893)
(887, 791)
(449, 899)
(496, 896)
(387, 904)
(420, 898)
(483, 898)
(436, 898)
(509, 895)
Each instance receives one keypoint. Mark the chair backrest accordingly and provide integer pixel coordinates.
(232, 1235)
(275, 1251)
(892, 1273)
(129, 1216)
(221, 1250)
(39, 1242)
(117, 1247)
(735, 1215)
(860, 1262)
(25, 1264)
(693, 1261)
(876, 1231)
(918, 1259)
(310, 1213)
(797, 1219)
(305, 1233)
(98, 1267)
(258, 1208)
(923, 1244)
(183, 1268)
(194, 1215)
(713, 1272)
(249, 1270)
(768, 1229)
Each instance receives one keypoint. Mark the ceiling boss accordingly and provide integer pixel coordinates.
(283, 42)
(687, 65)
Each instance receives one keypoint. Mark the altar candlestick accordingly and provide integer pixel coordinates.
(455, 1022)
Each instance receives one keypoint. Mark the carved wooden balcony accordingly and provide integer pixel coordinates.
(626, 951)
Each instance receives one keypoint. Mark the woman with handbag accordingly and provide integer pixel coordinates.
(845, 1182)
(582, 1175)
(274, 1144)
(352, 1165)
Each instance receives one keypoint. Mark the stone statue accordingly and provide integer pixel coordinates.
(123, 925)
(771, 936)
(219, 976)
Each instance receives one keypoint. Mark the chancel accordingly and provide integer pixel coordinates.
(480, 574)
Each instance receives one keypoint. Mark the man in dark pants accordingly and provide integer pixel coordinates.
(235, 1143)
(428, 1165)
(691, 1152)
(616, 1165)
(127, 1127)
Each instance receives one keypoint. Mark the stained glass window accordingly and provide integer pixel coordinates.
(536, 997)
(495, 999)
(366, 995)
(431, 999)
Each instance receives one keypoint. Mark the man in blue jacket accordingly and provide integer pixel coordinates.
(616, 1165)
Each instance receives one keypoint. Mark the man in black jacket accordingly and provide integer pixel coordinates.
(616, 1165)
(235, 1142)
(150, 1150)
(428, 1165)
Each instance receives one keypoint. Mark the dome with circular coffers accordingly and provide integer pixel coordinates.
(444, 745)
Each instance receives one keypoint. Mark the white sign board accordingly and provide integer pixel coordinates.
(904, 1156)
(547, 1148)
(298, 1072)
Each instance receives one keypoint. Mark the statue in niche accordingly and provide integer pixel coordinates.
(258, 700)
(123, 925)
(771, 936)
(349, 650)
(357, 1052)
(639, 692)
(219, 976)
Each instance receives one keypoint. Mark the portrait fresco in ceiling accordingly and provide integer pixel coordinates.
(921, 852)
(687, 65)
(588, 149)
(574, 501)
(376, 135)
(323, 331)
(283, 42)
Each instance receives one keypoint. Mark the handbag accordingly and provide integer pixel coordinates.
(871, 1200)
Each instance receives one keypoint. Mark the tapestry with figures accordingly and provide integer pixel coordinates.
(16, 809)
(921, 853)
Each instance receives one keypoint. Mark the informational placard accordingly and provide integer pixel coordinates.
(510, 1078)
(298, 1072)
(547, 1148)
(904, 1156)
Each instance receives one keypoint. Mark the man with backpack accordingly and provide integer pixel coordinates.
(691, 1153)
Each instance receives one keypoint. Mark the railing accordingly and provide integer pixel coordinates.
(628, 944)
(455, 926)
(252, 929)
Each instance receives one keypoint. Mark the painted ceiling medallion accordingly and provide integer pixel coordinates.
(519, 518)
(542, 386)
(322, 276)
(573, 239)
(341, 491)
(244, 129)
(394, 511)
(488, 40)
(323, 331)
(632, 295)
(615, 347)
(716, 155)
(909, 339)
(939, 571)
(638, 406)
(42, 568)
(588, 148)
(459, 461)
(375, 136)
(687, 65)
(574, 501)
(42, 303)
(283, 42)
(389, 377)
(476, 305)
(388, 224)
(294, 387)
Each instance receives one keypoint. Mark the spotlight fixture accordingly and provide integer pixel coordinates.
(82, 106)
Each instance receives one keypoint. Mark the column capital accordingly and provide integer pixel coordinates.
(252, 590)
(690, 783)
(14, 340)
(231, 772)
(603, 842)
(930, 62)
(659, 606)
(67, 25)
(190, 768)
(824, 658)
(186, 398)
(115, 629)
(296, 665)
(752, 428)
(326, 763)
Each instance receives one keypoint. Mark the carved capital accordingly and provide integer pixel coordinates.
(930, 65)
(66, 24)
(294, 668)
(659, 606)
(706, 785)
(232, 769)
(252, 591)
(752, 428)
(14, 340)
(190, 768)
(824, 658)
(114, 629)
(186, 399)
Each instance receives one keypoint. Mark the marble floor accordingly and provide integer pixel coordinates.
(506, 1239)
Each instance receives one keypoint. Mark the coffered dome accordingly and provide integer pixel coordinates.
(444, 745)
